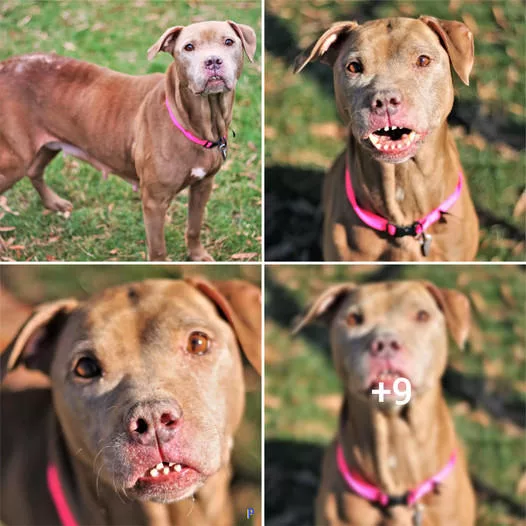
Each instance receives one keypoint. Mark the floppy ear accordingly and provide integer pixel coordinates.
(166, 42)
(457, 39)
(324, 306)
(247, 36)
(240, 303)
(326, 48)
(33, 345)
(456, 309)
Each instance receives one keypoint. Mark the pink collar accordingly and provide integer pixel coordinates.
(59, 499)
(221, 143)
(373, 494)
(379, 223)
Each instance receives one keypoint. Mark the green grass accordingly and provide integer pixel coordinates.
(302, 108)
(106, 223)
(300, 380)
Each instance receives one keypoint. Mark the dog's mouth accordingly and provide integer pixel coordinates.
(215, 80)
(168, 475)
(387, 379)
(393, 139)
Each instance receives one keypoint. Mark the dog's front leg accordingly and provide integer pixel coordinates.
(155, 201)
(199, 195)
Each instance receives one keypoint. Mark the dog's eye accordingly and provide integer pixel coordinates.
(423, 61)
(87, 368)
(198, 343)
(422, 316)
(229, 42)
(189, 47)
(354, 319)
(355, 67)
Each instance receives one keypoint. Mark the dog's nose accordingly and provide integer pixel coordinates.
(387, 100)
(213, 62)
(148, 422)
(385, 344)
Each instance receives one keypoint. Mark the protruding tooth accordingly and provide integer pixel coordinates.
(171, 464)
(386, 128)
(394, 127)
(154, 472)
(166, 471)
(178, 467)
(398, 145)
(160, 466)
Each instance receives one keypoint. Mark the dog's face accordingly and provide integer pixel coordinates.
(147, 385)
(208, 55)
(384, 331)
(392, 79)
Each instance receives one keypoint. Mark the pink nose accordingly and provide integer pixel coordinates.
(385, 344)
(213, 62)
(148, 422)
(386, 101)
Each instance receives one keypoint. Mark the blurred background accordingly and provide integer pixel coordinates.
(485, 385)
(303, 133)
(106, 223)
(24, 286)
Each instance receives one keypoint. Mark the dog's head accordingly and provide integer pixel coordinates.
(380, 332)
(392, 78)
(208, 55)
(147, 380)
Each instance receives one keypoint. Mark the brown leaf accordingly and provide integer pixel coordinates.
(479, 302)
(520, 206)
(245, 255)
(521, 485)
(328, 130)
(493, 368)
(7, 228)
(480, 417)
(500, 18)
(4, 206)
(273, 402)
(114, 251)
(487, 91)
(470, 22)
(329, 402)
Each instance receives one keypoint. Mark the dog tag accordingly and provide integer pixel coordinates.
(425, 243)
(417, 517)
(222, 149)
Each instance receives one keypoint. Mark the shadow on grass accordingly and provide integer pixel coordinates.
(293, 198)
(500, 127)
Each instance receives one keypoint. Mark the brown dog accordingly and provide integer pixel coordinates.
(380, 332)
(121, 123)
(393, 86)
(146, 394)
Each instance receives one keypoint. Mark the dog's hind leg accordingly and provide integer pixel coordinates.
(36, 173)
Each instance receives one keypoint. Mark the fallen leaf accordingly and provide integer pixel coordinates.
(245, 255)
(521, 485)
(479, 302)
(69, 46)
(520, 206)
(273, 402)
(500, 18)
(7, 228)
(4, 205)
(330, 402)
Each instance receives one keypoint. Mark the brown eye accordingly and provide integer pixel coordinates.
(87, 368)
(354, 319)
(355, 67)
(198, 343)
(229, 42)
(189, 47)
(422, 316)
(423, 61)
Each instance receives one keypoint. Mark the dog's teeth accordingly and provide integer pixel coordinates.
(171, 464)
(178, 467)
(160, 466)
(166, 471)
(394, 127)
(386, 128)
(154, 472)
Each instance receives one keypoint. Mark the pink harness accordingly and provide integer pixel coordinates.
(374, 494)
(221, 143)
(416, 229)
(59, 499)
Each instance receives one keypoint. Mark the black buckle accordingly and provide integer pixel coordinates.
(399, 500)
(411, 230)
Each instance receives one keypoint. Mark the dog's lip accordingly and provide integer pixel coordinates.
(165, 473)
(386, 376)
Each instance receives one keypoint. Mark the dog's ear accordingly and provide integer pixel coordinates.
(457, 39)
(456, 309)
(166, 42)
(247, 36)
(240, 304)
(33, 345)
(325, 305)
(326, 48)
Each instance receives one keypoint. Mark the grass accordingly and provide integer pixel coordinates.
(303, 391)
(489, 116)
(35, 284)
(106, 223)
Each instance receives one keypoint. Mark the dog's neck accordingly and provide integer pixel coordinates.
(404, 192)
(207, 117)
(396, 450)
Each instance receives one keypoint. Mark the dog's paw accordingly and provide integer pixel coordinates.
(200, 254)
